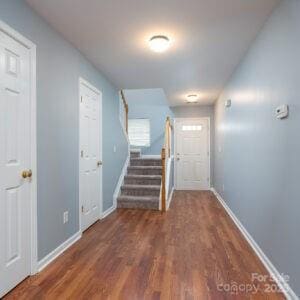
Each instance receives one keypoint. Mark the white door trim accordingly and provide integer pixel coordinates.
(90, 86)
(176, 120)
(33, 190)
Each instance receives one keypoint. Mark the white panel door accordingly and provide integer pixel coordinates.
(192, 154)
(90, 155)
(15, 151)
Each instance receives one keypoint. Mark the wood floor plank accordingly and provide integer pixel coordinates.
(194, 251)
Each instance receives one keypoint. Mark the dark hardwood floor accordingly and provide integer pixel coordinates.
(194, 251)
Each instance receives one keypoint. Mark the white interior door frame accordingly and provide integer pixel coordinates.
(6, 29)
(176, 120)
(82, 81)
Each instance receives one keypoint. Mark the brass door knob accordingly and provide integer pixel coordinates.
(99, 163)
(27, 174)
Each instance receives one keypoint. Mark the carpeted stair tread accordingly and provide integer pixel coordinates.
(135, 153)
(142, 179)
(138, 202)
(143, 176)
(142, 183)
(145, 167)
(140, 186)
(135, 150)
(144, 170)
(145, 161)
(140, 190)
(138, 198)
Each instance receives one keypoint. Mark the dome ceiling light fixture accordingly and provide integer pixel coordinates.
(192, 98)
(159, 43)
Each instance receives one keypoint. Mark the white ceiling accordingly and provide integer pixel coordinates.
(209, 38)
(155, 97)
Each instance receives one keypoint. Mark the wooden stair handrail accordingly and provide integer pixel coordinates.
(126, 110)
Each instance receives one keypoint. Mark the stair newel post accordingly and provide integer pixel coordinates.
(163, 179)
(169, 136)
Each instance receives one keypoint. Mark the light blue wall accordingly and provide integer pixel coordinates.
(59, 66)
(150, 104)
(200, 111)
(257, 157)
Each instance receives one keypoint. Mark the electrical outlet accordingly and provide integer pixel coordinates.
(66, 217)
(115, 149)
(228, 103)
(223, 187)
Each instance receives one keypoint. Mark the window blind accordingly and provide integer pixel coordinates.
(139, 132)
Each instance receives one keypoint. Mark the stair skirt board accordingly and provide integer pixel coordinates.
(120, 181)
(141, 186)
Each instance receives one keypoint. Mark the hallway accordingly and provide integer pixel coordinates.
(194, 251)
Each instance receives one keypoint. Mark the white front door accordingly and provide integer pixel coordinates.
(15, 157)
(90, 154)
(192, 154)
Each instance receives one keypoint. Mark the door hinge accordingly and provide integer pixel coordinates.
(81, 99)
(82, 208)
(81, 153)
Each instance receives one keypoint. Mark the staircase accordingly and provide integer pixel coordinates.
(142, 183)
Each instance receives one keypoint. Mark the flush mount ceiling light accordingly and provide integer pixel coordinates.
(159, 43)
(192, 98)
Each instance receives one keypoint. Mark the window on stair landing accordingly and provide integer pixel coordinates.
(139, 132)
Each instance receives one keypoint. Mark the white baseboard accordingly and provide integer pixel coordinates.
(283, 285)
(108, 211)
(58, 251)
(120, 181)
(170, 198)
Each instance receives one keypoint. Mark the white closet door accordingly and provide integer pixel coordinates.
(15, 151)
(90, 155)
